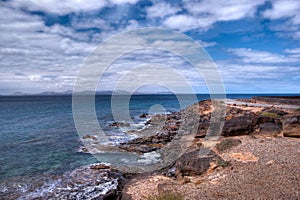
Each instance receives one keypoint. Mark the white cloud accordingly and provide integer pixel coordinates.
(161, 10)
(289, 12)
(224, 10)
(202, 15)
(187, 22)
(124, 1)
(31, 51)
(254, 56)
(283, 9)
(261, 78)
(66, 6)
(206, 44)
(293, 51)
(59, 7)
(129, 62)
(132, 24)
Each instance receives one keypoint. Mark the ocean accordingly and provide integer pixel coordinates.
(38, 135)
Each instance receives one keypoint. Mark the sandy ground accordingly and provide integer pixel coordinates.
(261, 168)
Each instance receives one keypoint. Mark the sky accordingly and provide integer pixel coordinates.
(254, 44)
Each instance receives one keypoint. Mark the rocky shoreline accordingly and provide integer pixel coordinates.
(243, 123)
(256, 141)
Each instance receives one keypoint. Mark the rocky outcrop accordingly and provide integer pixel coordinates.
(245, 123)
(144, 115)
(119, 124)
(291, 126)
(242, 125)
(194, 163)
(96, 181)
(269, 129)
(158, 140)
(239, 120)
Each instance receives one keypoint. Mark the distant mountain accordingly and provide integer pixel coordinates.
(19, 94)
(51, 93)
(70, 92)
(103, 92)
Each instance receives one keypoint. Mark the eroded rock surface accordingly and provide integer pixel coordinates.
(193, 163)
(291, 126)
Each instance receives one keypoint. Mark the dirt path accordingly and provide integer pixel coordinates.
(240, 103)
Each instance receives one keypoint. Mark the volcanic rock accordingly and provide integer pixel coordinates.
(193, 163)
(291, 126)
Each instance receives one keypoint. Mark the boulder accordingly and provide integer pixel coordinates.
(269, 129)
(144, 115)
(193, 163)
(291, 126)
(242, 125)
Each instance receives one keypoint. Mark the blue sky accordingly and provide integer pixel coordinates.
(255, 44)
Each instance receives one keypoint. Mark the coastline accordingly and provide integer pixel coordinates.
(258, 141)
(251, 125)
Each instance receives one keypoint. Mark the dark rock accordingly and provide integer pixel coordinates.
(158, 140)
(138, 148)
(101, 184)
(192, 163)
(269, 129)
(200, 135)
(119, 124)
(111, 195)
(291, 126)
(262, 119)
(144, 115)
(83, 150)
(291, 120)
(242, 125)
(148, 122)
(202, 128)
